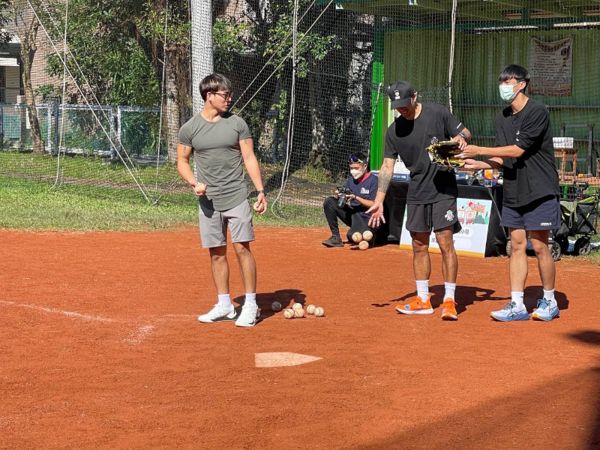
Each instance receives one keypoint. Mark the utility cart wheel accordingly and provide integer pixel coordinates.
(583, 246)
(555, 250)
(564, 244)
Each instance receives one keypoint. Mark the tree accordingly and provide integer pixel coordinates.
(121, 48)
(173, 51)
(26, 26)
(261, 36)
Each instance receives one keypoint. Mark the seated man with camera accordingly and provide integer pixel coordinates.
(350, 202)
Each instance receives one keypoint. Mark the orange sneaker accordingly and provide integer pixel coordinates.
(449, 310)
(416, 306)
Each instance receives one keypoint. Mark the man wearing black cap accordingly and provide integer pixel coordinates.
(432, 191)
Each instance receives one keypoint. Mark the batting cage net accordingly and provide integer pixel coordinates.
(93, 92)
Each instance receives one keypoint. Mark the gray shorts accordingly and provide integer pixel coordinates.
(214, 224)
(432, 216)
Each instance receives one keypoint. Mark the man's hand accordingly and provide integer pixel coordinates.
(260, 205)
(474, 164)
(200, 189)
(376, 212)
(470, 151)
(462, 143)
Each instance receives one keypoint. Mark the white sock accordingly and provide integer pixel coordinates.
(224, 300)
(517, 299)
(450, 289)
(549, 295)
(423, 289)
(250, 299)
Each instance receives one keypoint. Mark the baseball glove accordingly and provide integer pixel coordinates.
(444, 153)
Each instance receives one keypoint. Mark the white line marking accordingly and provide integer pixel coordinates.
(71, 314)
(282, 359)
(140, 334)
(136, 337)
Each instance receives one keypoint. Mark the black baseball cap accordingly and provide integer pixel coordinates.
(400, 93)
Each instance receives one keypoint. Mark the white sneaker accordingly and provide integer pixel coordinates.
(248, 317)
(217, 313)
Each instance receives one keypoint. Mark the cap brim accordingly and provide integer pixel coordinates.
(402, 103)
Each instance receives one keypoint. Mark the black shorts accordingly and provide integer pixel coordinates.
(432, 216)
(541, 214)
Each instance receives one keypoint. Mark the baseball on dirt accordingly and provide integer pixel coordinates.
(298, 312)
(319, 311)
(367, 235)
(288, 313)
(363, 245)
(310, 309)
(276, 306)
(357, 237)
(297, 306)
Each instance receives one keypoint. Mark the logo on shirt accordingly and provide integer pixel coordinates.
(449, 215)
(364, 190)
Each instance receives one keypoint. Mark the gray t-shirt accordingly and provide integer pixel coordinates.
(218, 158)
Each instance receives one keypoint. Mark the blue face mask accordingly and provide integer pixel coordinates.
(507, 92)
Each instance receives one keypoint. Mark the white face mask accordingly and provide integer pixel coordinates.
(507, 92)
(356, 173)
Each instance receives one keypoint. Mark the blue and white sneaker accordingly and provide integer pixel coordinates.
(510, 312)
(546, 310)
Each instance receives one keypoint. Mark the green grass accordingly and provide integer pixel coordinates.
(84, 168)
(35, 205)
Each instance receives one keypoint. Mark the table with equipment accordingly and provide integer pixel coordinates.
(495, 241)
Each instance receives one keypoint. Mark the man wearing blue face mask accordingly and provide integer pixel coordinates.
(350, 206)
(531, 208)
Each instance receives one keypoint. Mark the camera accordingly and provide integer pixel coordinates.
(343, 196)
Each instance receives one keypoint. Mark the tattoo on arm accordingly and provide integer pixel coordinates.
(385, 176)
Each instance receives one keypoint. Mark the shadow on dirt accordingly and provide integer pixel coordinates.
(286, 297)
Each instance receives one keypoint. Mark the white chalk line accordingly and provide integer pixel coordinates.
(71, 314)
(136, 337)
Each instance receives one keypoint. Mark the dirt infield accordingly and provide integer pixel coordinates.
(100, 347)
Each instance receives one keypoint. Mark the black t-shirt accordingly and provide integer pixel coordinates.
(533, 175)
(409, 139)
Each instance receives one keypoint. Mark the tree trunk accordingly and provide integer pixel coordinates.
(27, 33)
(178, 100)
(172, 115)
(36, 135)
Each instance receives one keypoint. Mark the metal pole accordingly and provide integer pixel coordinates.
(592, 156)
(202, 54)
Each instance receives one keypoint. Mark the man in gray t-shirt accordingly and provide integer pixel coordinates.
(221, 142)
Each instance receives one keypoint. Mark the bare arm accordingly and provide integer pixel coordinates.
(363, 201)
(184, 153)
(508, 151)
(462, 138)
(474, 164)
(253, 169)
(384, 179)
(466, 134)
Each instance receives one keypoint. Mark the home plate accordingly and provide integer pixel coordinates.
(282, 359)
